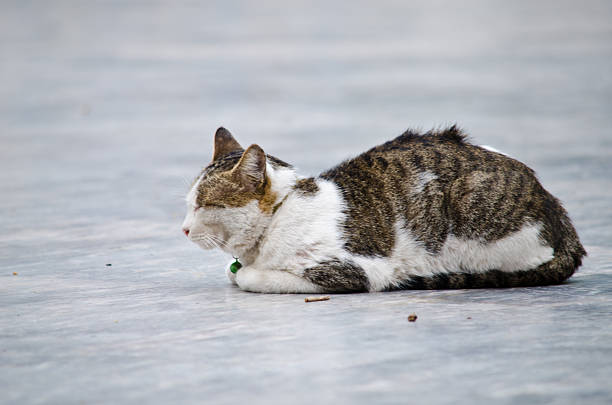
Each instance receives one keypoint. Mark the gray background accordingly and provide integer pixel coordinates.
(107, 111)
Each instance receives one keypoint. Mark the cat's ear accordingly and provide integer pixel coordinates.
(224, 143)
(251, 169)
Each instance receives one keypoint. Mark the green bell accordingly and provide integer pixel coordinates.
(234, 267)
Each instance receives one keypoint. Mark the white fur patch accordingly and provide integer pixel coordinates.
(423, 178)
(492, 149)
(282, 179)
(192, 195)
(190, 216)
(522, 250)
(304, 231)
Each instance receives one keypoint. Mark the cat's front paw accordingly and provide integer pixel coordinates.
(273, 281)
(248, 280)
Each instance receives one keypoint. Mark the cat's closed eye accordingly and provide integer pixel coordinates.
(212, 205)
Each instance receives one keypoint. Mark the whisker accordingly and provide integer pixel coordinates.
(220, 242)
(211, 239)
(186, 181)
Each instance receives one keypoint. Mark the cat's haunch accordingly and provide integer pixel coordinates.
(423, 211)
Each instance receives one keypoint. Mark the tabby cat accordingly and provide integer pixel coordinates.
(423, 211)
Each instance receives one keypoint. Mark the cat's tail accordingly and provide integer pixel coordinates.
(564, 263)
(559, 233)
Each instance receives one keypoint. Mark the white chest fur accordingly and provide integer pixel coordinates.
(304, 231)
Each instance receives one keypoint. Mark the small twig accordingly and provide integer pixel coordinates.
(315, 299)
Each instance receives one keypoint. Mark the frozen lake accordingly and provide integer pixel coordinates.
(107, 111)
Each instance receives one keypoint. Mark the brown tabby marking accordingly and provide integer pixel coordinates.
(268, 199)
(220, 188)
(306, 186)
(471, 192)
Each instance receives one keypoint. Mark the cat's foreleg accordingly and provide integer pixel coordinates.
(273, 281)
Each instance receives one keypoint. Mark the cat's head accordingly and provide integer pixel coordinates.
(232, 200)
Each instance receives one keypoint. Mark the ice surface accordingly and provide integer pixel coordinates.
(107, 111)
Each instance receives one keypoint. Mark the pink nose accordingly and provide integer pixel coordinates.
(186, 232)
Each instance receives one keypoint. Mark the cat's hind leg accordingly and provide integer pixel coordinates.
(339, 276)
(273, 281)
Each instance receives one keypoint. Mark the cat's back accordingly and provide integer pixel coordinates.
(415, 167)
(438, 186)
(420, 166)
(447, 153)
(407, 179)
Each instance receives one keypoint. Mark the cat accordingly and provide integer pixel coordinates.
(422, 211)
